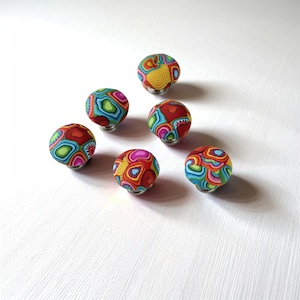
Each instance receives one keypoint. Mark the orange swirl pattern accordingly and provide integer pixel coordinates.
(208, 168)
(136, 170)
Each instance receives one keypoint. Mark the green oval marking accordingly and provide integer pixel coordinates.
(151, 121)
(195, 168)
(63, 151)
(108, 106)
(54, 137)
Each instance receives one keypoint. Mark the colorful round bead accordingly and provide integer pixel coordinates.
(208, 168)
(169, 120)
(72, 145)
(136, 170)
(107, 108)
(158, 72)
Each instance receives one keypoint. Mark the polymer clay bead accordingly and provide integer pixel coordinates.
(72, 145)
(158, 72)
(208, 168)
(169, 120)
(107, 108)
(136, 170)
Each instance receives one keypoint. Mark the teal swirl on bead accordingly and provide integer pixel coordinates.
(107, 107)
(169, 120)
(208, 168)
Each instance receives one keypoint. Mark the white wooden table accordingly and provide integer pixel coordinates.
(78, 235)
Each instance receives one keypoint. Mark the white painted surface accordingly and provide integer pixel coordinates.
(68, 235)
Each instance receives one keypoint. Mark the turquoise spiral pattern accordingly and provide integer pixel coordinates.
(107, 107)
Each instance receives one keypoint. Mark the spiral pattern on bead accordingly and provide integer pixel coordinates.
(158, 71)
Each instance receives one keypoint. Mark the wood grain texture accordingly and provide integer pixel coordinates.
(77, 235)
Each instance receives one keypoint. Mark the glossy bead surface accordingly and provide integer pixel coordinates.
(72, 145)
(136, 170)
(107, 108)
(208, 168)
(158, 72)
(170, 121)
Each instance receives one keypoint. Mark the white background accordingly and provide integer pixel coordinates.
(78, 235)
